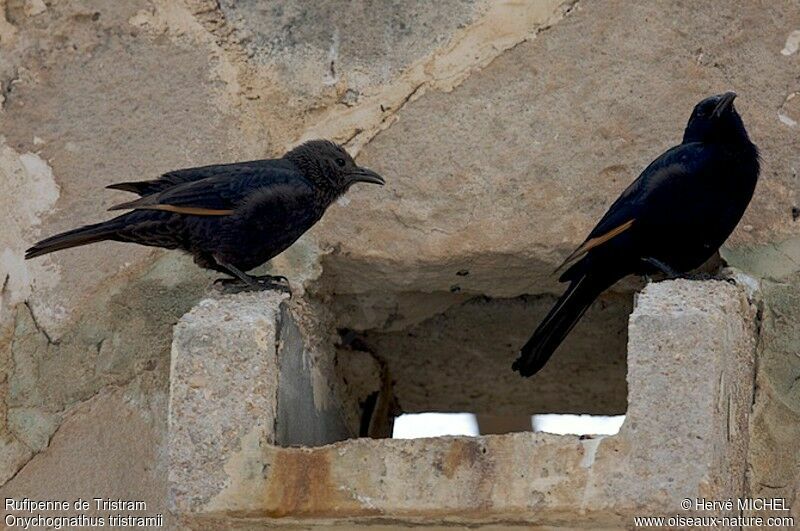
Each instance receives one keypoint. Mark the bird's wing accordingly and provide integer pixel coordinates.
(218, 195)
(592, 242)
(674, 168)
(176, 177)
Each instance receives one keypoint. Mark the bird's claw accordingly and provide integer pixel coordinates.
(274, 282)
(673, 274)
(703, 275)
(263, 283)
(698, 276)
(709, 276)
(273, 278)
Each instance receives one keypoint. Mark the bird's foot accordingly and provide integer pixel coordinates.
(244, 282)
(253, 283)
(672, 274)
(276, 282)
(698, 276)
(274, 278)
(721, 276)
(730, 276)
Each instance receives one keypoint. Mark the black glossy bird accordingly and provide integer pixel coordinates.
(230, 217)
(671, 219)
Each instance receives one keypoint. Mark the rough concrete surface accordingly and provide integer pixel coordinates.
(776, 411)
(245, 375)
(111, 446)
(535, 149)
(223, 389)
(699, 337)
(504, 129)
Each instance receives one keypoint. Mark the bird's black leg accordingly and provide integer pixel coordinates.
(253, 283)
(661, 266)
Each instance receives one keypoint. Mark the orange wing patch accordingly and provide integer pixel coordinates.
(143, 204)
(194, 211)
(591, 243)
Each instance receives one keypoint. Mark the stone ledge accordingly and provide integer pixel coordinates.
(690, 358)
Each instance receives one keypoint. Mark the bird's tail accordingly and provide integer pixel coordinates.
(570, 307)
(73, 238)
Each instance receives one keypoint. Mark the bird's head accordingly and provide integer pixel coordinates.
(329, 165)
(715, 119)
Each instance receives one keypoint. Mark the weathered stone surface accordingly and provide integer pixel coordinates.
(87, 99)
(698, 337)
(223, 391)
(508, 173)
(111, 446)
(505, 128)
(317, 46)
(14, 455)
(33, 427)
(303, 417)
(351, 93)
(26, 176)
(691, 369)
(774, 443)
(245, 374)
(124, 332)
(84, 104)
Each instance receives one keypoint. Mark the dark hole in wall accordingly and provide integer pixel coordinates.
(459, 360)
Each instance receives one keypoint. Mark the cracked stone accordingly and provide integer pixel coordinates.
(33, 426)
(109, 446)
(504, 132)
(361, 45)
(507, 174)
(14, 456)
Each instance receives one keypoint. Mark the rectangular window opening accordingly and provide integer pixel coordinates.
(421, 425)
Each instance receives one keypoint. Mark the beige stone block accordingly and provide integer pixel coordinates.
(690, 358)
(223, 392)
(244, 377)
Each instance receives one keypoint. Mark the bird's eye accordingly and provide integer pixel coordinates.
(340, 162)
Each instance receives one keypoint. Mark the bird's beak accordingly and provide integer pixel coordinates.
(724, 104)
(363, 175)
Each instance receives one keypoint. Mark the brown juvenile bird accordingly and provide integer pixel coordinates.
(230, 217)
(671, 219)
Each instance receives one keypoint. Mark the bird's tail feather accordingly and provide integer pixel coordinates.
(137, 187)
(557, 324)
(73, 238)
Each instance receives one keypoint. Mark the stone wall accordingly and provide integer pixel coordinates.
(504, 129)
(691, 355)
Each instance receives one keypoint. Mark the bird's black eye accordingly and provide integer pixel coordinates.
(340, 162)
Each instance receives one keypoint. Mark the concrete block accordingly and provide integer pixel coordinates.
(690, 359)
(223, 392)
(244, 376)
